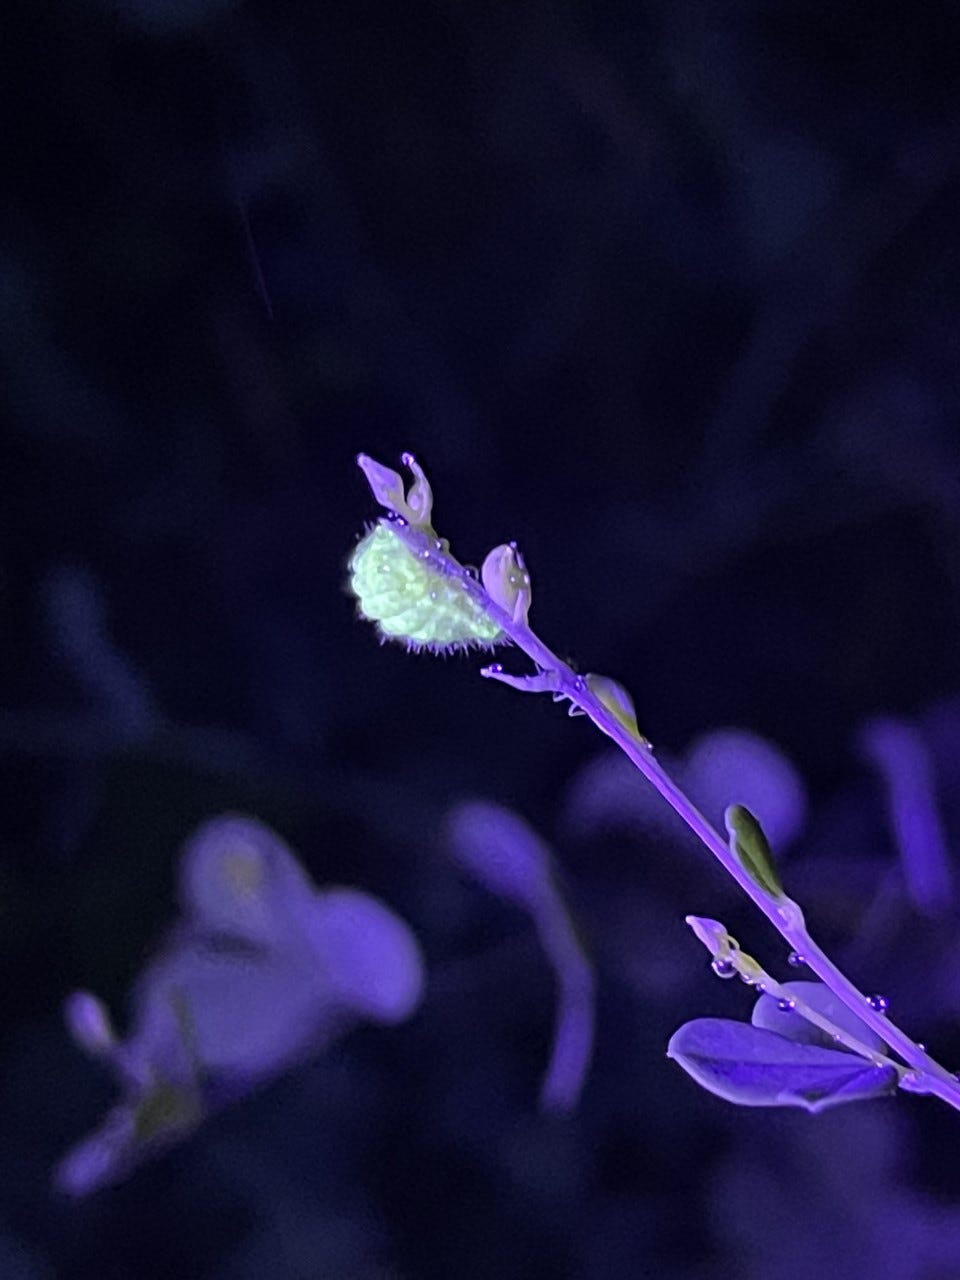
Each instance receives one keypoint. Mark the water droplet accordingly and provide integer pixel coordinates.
(723, 967)
(472, 571)
(407, 459)
(761, 989)
(495, 666)
(879, 1004)
(425, 553)
(786, 1005)
(921, 1046)
(438, 544)
(796, 959)
(400, 520)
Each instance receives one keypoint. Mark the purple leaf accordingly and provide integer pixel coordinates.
(768, 1014)
(758, 1068)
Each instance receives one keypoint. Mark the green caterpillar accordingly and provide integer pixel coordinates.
(413, 603)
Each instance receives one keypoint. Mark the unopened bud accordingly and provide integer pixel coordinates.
(416, 506)
(712, 934)
(419, 495)
(507, 582)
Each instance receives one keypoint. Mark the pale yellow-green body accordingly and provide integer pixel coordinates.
(411, 602)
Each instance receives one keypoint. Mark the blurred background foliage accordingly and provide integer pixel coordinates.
(670, 294)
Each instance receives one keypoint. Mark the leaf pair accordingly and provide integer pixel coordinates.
(779, 1059)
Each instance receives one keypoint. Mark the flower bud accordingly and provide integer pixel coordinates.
(712, 934)
(386, 485)
(419, 495)
(506, 581)
(416, 506)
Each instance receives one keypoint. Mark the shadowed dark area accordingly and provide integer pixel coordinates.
(668, 293)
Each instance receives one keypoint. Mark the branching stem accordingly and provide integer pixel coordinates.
(552, 675)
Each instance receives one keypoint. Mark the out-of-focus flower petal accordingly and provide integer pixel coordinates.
(730, 766)
(99, 1160)
(500, 850)
(236, 1013)
(88, 1022)
(133, 1132)
(507, 856)
(898, 752)
(371, 961)
(239, 879)
(262, 973)
(723, 767)
(607, 794)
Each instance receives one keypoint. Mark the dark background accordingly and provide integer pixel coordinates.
(668, 292)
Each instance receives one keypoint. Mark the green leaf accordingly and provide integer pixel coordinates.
(749, 846)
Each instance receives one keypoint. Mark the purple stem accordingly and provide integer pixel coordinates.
(784, 915)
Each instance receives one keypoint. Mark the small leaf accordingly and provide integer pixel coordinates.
(618, 702)
(749, 845)
(786, 1022)
(758, 1068)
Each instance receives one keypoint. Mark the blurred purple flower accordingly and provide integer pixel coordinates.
(501, 851)
(900, 756)
(261, 972)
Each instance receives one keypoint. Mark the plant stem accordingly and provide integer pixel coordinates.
(927, 1075)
